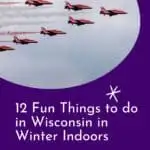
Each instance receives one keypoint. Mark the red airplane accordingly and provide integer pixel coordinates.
(5, 48)
(38, 2)
(76, 7)
(79, 21)
(111, 12)
(52, 32)
(23, 41)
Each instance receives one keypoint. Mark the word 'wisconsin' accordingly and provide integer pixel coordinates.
(65, 107)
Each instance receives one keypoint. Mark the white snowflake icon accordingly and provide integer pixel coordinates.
(112, 94)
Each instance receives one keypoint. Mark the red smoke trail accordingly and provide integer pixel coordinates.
(17, 33)
(5, 41)
(9, 3)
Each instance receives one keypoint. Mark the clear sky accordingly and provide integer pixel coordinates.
(84, 54)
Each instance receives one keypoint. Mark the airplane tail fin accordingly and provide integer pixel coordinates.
(16, 39)
(68, 5)
(28, 2)
(71, 20)
(43, 30)
(103, 10)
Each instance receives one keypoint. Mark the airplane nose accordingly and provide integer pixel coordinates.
(89, 7)
(63, 33)
(11, 48)
(50, 3)
(91, 22)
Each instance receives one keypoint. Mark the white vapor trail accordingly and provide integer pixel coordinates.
(21, 14)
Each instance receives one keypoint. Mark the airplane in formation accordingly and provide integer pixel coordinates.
(23, 41)
(79, 21)
(5, 48)
(76, 7)
(38, 2)
(51, 32)
(111, 12)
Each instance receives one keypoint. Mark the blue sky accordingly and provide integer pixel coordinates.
(84, 54)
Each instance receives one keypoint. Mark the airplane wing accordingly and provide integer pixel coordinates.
(30, 41)
(115, 11)
(42, 2)
(55, 31)
(50, 31)
(81, 6)
(26, 40)
(84, 21)
(37, 2)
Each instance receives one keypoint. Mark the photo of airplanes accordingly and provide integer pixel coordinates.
(69, 6)
(59, 34)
